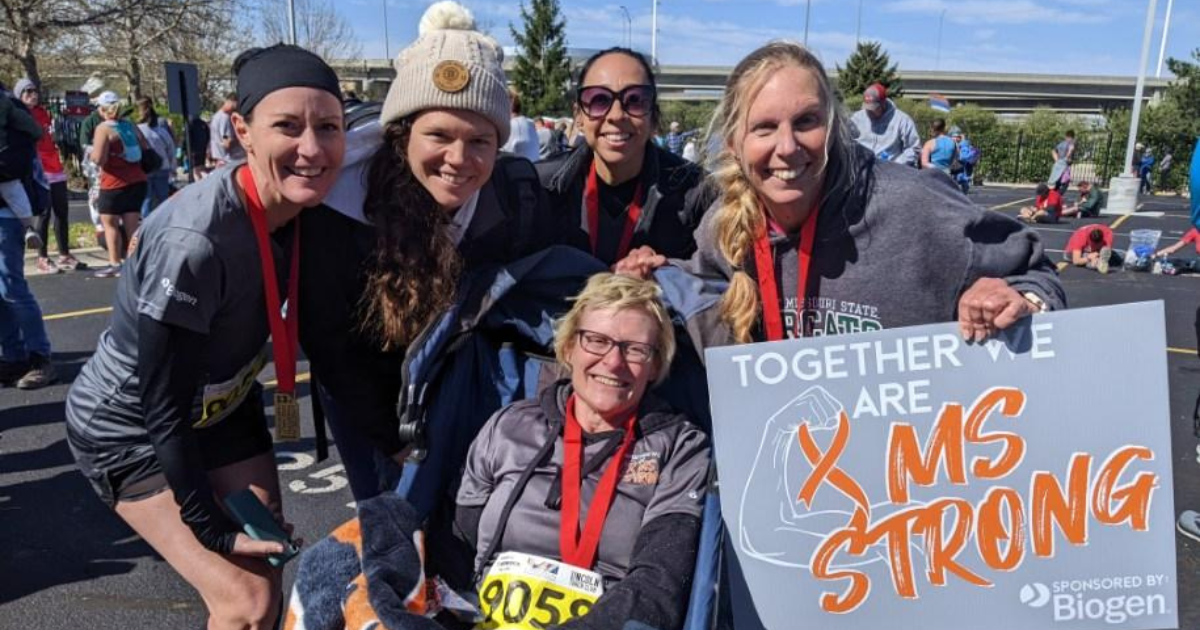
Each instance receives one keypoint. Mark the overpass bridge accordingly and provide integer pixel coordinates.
(1004, 93)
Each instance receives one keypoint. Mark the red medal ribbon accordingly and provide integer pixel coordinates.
(591, 196)
(768, 288)
(285, 333)
(579, 550)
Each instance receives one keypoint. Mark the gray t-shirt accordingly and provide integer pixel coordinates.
(195, 264)
(221, 127)
(667, 473)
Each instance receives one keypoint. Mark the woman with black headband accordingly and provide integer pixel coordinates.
(169, 401)
(620, 190)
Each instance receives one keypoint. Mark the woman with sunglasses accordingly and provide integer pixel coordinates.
(619, 190)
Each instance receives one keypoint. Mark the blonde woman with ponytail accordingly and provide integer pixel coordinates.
(813, 236)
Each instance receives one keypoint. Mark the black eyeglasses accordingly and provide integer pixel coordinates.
(597, 100)
(600, 344)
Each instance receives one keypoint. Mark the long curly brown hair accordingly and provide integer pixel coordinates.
(415, 266)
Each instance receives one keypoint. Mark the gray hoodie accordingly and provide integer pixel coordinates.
(899, 250)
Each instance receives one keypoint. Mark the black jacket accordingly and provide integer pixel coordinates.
(512, 220)
(677, 196)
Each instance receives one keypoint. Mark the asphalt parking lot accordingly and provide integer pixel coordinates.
(69, 562)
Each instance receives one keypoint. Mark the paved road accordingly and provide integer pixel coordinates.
(67, 562)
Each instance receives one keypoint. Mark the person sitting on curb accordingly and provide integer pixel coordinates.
(1091, 246)
(1046, 208)
(1091, 201)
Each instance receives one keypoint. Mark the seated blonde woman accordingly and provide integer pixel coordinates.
(581, 505)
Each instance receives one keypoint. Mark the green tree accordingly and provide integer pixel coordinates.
(868, 64)
(1184, 91)
(541, 72)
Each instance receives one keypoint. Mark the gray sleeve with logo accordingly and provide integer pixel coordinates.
(181, 278)
(683, 478)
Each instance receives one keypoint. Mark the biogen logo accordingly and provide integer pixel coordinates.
(1077, 606)
(1035, 595)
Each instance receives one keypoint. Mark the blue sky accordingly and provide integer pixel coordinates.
(1052, 37)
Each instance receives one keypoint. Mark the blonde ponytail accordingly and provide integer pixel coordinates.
(739, 221)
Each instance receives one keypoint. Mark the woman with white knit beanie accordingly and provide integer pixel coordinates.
(437, 201)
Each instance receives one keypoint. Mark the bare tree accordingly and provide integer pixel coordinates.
(31, 27)
(319, 28)
(149, 32)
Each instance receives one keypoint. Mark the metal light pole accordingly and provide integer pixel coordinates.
(292, 20)
(1123, 191)
(937, 65)
(858, 31)
(1162, 49)
(654, 32)
(387, 46)
(628, 26)
(807, 15)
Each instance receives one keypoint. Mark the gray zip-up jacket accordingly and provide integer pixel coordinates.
(899, 250)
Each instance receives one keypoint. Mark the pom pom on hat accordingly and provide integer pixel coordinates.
(446, 16)
(450, 66)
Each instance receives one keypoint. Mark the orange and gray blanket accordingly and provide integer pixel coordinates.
(367, 575)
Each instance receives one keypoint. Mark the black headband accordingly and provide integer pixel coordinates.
(261, 71)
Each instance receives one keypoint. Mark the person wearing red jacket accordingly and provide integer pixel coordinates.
(52, 164)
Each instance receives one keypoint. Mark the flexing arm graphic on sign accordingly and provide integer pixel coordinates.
(795, 475)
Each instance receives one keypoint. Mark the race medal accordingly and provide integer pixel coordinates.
(451, 76)
(287, 417)
(285, 331)
(528, 592)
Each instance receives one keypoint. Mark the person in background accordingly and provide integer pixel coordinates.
(545, 137)
(522, 135)
(1091, 201)
(890, 134)
(676, 137)
(968, 158)
(224, 146)
(117, 149)
(938, 151)
(87, 134)
(24, 344)
(1188, 523)
(1091, 246)
(620, 190)
(19, 133)
(199, 137)
(1047, 206)
(1063, 154)
(1146, 172)
(1191, 236)
(57, 178)
(161, 141)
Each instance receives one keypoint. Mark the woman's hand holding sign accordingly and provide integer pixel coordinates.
(988, 306)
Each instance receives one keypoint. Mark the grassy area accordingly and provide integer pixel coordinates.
(82, 234)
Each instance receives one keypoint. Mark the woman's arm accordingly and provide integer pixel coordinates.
(100, 142)
(168, 373)
(926, 151)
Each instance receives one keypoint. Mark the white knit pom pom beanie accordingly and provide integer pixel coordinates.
(451, 65)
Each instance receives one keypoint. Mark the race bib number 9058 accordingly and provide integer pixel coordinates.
(528, 592)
